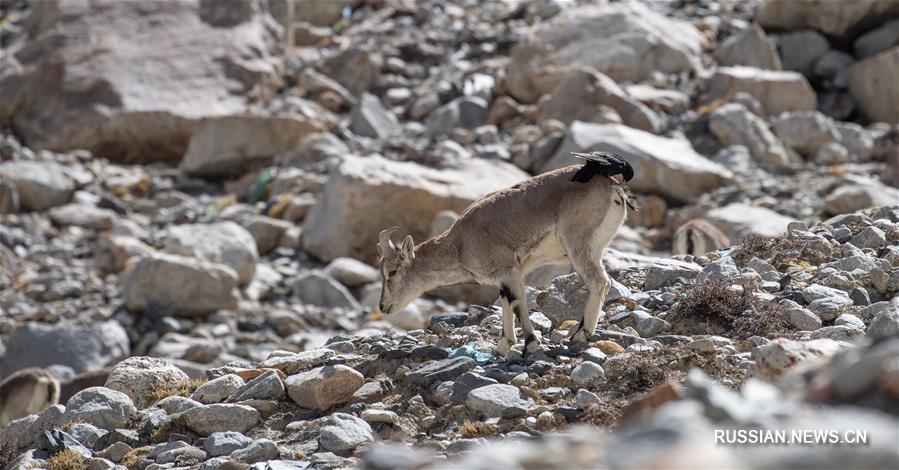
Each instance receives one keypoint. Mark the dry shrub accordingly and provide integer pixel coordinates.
(472, 429)
(162, 390)
(712, 307)
(132, 459)
(68, 459)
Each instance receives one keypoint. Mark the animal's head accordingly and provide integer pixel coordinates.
(398, 287)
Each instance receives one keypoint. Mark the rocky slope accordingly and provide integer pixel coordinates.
(188, 224)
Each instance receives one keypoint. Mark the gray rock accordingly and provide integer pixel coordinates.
(582, 96)
(800, 50)
(738, 220)
(594, 355)
(319, 289)
(614, 39)
(844, 333)
(139, 375)
(261, 450)
(100, 406)
(177, 404)
(218, 389)
(86, 433)
(343, 432)
(81, 347)
(750, 47)
(466, 383)
(850, 320)
(179, 285)
(465, 112)
(721, 269)
(856, 140)
(733, 124)
(853, 197)
(267, 231)
(835, 19)
(648, 325)
(82, 215)
(370, 119)
(205, 420)
(775, 358)
(498, 401)
(777, 91)
(186, 455)
(876, 99)
(665, 272)
(869, 237)
(832, 154)
(223, 443)
(324, 387)
(293, 363)
(39, 185)
(804, 319)
(805, 132)
(267, 386)
(585, 399)
(445, 369)
(224, 242)
(877, 40)
(859, 296)
(587, 373)
(885, 324)
(379, 416)
(351, 272)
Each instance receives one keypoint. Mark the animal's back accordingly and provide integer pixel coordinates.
(523, 214)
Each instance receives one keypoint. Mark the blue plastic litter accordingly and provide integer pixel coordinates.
(471, 350)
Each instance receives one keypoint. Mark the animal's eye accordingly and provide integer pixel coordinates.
(391, 273)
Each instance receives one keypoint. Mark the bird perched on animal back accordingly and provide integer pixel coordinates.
(602, 163)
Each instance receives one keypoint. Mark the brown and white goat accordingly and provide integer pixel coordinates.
(565, 215)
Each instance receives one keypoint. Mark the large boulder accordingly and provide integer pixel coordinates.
(365, 195)
(738, 220)
(139, 375)
(733, 124)
(580, 96)
(873, 86)
(859, 194)
(179, 285)
(39, 185)
(833, 18)
(83, 80)
(751, 47)
(222, 242)
(82, 347)
(626, 41)
(662, 165)
(226, 146)
(776, 90)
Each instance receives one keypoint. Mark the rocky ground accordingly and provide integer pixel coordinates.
(188, 220)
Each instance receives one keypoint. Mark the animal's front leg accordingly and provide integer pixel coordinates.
(508, 339)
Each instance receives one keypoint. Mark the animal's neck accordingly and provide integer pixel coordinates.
(437, 264)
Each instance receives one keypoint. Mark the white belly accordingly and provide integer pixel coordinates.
(548, 251)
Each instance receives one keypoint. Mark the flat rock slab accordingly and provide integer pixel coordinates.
(446, 369)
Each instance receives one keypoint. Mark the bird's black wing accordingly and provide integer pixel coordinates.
(602, 163)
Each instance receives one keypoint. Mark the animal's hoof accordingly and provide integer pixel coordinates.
(504, 346)
(580, 337)
(532, 343)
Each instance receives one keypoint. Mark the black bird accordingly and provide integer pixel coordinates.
(602, 163)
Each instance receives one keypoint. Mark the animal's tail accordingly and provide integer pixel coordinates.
(602, 163)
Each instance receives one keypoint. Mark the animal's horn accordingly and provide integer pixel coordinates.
(384, 241)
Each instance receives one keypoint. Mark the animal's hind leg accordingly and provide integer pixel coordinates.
(517, 296)
(509, 338)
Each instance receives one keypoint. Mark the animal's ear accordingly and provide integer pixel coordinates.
(407, 251)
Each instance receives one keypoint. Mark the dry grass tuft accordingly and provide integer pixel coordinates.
(472, 429)
(165, 390)
(713, 307)
(68, 459)
(132, 459)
